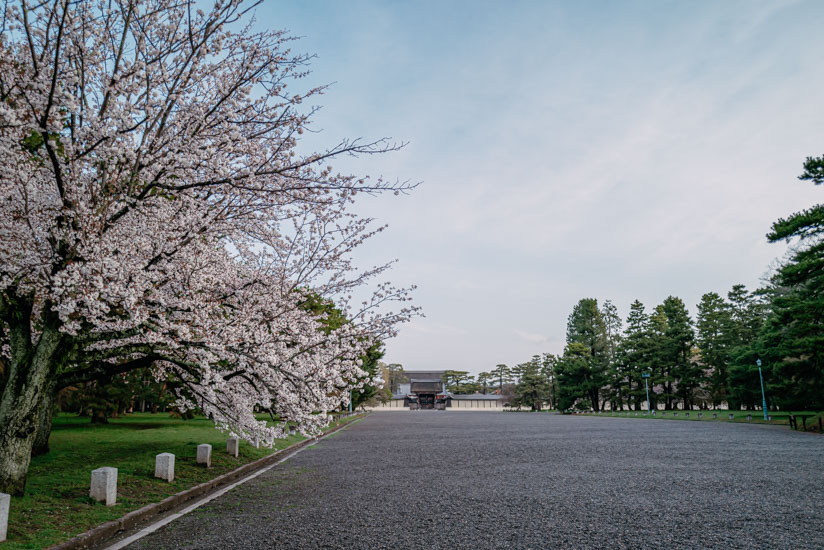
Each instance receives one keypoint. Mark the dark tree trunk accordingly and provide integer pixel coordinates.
(593, 398)
(31, 371)
(44, 422)
(99, 417)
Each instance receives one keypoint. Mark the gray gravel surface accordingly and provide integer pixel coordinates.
(433, 479)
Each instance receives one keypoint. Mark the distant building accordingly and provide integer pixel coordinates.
(425, 387)
(423, 384)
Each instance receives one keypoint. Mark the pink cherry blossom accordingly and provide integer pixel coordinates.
(156, 210)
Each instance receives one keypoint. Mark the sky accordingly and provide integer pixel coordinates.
(565, 150)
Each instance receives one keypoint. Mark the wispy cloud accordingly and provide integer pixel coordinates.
(624, 150)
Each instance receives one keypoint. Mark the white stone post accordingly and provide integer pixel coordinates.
(204, 454)
(104, 485)
(5, 504)
(292, 430)
(232, 446)
(165, 466)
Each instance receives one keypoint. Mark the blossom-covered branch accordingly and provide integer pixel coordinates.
(154, 209)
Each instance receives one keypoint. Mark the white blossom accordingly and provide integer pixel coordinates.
(155, 207)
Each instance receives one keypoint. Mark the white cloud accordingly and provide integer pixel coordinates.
(631, 151)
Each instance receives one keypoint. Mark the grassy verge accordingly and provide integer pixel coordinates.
(57, 506)
(778, 417)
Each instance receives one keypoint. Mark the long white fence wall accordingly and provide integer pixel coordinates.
(457, 405)
(477, 404)
(391, 405)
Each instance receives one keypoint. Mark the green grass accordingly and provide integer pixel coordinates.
(778, 417)
(57, 506)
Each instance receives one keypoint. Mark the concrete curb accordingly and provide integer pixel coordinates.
(110, 529)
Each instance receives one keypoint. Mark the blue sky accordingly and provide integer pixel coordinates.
(615, 150)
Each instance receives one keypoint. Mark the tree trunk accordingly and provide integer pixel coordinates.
(44, 422)
(594, 399)
(99, 416)
(31, 371)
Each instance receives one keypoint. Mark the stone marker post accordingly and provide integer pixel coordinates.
(232, 446)
(732, 416)
(204, 454)
(292, 430)
(5, 504)
(165, 466)
(104, 485)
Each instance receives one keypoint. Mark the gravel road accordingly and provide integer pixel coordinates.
(433, 479)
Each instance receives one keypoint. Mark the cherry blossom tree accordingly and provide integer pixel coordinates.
(157, 212)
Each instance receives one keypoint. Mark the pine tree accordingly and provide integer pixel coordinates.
(549, 370)
(502, 375)
(747, 315)
(678, 339)
(458, 381)
(484, 379)
(792, 341)
(575, 378)
(634, 353)
(531, 389)
(715, 338)
(659, 359)
(615, 372)
(586, 327)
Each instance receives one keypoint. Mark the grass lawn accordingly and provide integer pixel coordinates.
(778, 417)
(57, 506)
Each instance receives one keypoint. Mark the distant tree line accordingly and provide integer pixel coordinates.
(711, 359)
(688, 363)
(702, 362)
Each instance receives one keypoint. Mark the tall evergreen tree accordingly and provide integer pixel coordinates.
(586, 327)
(484, 380)
(661, 374)
(531, 389)
(502, 375)
(792, 341)
(748, 312)
(549, 370)
(633, 353)
(458, 381)
(715, 339)
(615, 373)
(575, 382)
(678, 339)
